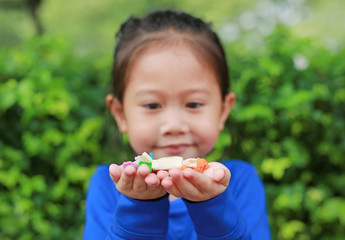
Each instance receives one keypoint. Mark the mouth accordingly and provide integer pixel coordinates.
(175, 149)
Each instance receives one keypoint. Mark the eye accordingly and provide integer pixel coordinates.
(152, 106)
(193, 105)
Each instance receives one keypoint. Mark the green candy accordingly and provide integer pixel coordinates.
(149, 164)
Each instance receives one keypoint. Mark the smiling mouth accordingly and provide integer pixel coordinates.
(175, 148)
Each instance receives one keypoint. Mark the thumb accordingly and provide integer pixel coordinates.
(222, 176)
(115, 172)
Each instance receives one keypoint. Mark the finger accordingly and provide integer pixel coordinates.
(169, 186)
(126, 180)
(185, 187)
(129, 170)
(153, 185)
(139, 184)
(219, 175)
(198, 182)
(152, 181)
(115, 172)
(143, 170)
(162, 174)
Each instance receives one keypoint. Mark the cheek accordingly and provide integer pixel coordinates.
(207, 145)
(141, 136)
(210, 139)
(207, 133)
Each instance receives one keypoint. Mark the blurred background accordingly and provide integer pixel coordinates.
(287, 69)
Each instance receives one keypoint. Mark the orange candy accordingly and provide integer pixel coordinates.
(201, 165)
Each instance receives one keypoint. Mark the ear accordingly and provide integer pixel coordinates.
(228, 104)
(116, 109)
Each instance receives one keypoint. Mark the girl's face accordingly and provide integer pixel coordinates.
(172, 104)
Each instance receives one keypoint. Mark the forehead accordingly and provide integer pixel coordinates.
(173, 70)
(176, 45)
(181, 48)
(164, 59)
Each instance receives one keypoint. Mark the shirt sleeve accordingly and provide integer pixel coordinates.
(100, 201)
(111, 215)
(140, 219)
(238, 213)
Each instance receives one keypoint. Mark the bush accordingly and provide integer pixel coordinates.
(52, 136)
(55, 129)
(289, 122)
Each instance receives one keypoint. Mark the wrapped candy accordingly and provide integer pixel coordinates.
(166, 163)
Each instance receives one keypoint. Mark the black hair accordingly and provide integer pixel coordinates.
(168, 25)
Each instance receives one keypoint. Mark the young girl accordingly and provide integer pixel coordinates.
(170, 95)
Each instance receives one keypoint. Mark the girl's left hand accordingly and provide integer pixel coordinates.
(196, 186)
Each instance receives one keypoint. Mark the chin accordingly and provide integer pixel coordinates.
(188, 154)
(185, 154)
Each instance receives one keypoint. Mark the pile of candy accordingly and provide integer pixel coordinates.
(166, 163)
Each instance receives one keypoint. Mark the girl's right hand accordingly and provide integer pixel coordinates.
(137, 184)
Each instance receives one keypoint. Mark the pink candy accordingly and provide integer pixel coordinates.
(134, 164)
(128, 163)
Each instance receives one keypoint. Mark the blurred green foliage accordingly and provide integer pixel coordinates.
(52, 134)
(288, 121)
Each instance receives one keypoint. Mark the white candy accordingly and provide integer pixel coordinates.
(167, 163)
(189, 162)
(145, 157)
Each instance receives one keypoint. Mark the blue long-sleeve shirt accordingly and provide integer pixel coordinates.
(238, 213)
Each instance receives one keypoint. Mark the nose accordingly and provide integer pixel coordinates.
(173, 123)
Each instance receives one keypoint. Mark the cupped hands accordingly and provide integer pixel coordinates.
(188, 184)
